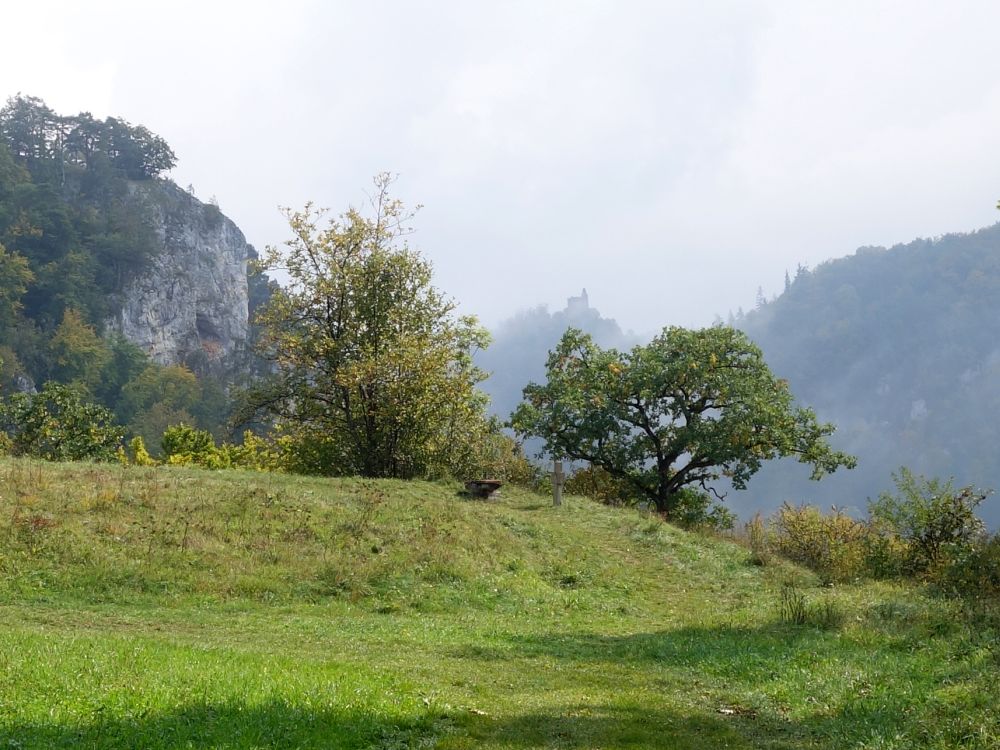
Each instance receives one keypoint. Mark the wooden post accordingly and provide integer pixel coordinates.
(557, 482)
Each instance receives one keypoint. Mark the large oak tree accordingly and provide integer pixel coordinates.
(687, 409)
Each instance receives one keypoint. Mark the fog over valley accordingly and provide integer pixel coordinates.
(547, 373)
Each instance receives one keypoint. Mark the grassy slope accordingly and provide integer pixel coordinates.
(174, 609)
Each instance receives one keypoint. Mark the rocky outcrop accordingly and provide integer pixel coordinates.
(192, 304)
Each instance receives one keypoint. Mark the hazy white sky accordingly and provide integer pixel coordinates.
(669, 156)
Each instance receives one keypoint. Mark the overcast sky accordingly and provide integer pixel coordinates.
(670, 157)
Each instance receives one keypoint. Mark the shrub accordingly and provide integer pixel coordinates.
(485, 452)
(183, 445)
(300, 452)
(501, 457)
(930, 516)
(517, 469)
(832, 545)
(757, 539)
(139, 455)
(885, 552)
(58, 425)
(971, 569)
(254, 452)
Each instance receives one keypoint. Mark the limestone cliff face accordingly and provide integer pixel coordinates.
(192, 304)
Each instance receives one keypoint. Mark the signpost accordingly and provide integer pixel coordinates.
(558, 478)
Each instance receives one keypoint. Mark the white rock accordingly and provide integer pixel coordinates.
(194, 298)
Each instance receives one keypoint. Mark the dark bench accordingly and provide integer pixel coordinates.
(484, 488)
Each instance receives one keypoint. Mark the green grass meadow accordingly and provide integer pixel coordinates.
(176, 608)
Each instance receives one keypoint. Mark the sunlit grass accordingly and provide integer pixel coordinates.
(173, 608)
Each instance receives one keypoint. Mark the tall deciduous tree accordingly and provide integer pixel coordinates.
(15, 275)
(688, 408)
(375, 370)
(158, 398)
(80, 354)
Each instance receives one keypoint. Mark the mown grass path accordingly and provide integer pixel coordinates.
(184, 609)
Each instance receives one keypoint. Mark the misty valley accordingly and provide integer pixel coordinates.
(235, 508)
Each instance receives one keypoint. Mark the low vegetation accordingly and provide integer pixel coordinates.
(170, 607)
(927, 531)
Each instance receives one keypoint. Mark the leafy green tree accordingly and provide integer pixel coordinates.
(49, 143)
(375, 370)
(687, 409)
(73, 232)
(31, 130)
(139, 153)
(126, 362)
(160, 396)
(58, 425)
(80, 355)
(15, 275)
(67, 205)
(12, 177)
(30, 347)
(173, 385)
(151, 423)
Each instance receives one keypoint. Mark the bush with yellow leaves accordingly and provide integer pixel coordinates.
(834, 545)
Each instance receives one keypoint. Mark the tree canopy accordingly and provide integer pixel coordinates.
(59, 425)
(685, 410)
(67, 210)
(48, 142)
(375, 375)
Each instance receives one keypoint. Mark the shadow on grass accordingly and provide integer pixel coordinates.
(584, 726)
(691, 646)
(534, 506)
(277, 725)
(735, 664)
(233, 726)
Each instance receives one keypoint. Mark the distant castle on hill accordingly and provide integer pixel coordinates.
(578, 304)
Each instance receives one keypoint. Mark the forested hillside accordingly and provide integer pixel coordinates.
(81, 201)
(900, 347)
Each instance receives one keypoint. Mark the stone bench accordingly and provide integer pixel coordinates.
(483, 488)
